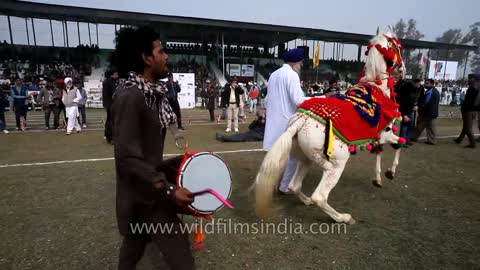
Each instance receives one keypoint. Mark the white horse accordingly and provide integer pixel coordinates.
(305, 139)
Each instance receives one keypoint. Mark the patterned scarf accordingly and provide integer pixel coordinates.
(152, 92)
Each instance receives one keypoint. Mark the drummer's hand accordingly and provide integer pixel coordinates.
(183, 197)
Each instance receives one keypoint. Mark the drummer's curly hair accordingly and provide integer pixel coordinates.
(130, 44)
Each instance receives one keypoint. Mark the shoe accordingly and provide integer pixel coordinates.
(284, 193)
(236, 130)
(414, 140)
(429, 143)
(457, 141)
(470, 146)
(409, 143)
(228, 130)
(5, 131)
(17, 129)
(182, 128)
(68, 133)
(47, 128)
(84, 126)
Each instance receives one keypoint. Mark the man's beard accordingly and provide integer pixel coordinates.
(297, 69)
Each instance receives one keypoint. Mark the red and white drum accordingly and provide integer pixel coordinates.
(208, 177)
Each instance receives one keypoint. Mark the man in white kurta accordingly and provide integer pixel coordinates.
(71, 96)
(284, 96)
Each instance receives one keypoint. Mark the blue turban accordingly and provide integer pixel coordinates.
(294, 55)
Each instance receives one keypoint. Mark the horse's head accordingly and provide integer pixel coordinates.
(384, 60)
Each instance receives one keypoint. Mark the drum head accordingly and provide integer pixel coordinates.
(203, 171)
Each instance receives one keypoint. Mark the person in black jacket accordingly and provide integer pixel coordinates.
(231, 101)
(470, 107)
(406, 98)
(172, 95)
(427, 107)
(108, 89)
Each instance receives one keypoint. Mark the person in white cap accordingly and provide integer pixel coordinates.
(71, 97)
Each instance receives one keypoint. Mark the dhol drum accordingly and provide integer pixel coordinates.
(207, 176)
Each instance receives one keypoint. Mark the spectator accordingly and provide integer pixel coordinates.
(81, 106)
(46, 100)
(406, 99)
(19, 94)
(231, 101)
(428, 105)
(172, 95)
(470, 107)
(3, 103)
(71, 97)
(108, 89)
(211, 94)
(253, 95)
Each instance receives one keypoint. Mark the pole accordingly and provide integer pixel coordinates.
(343, 49)
(28, 36)
(64, 37)
(445, 70)
(333, 51)
(10, 30)
(96, 30)
(89, 35)
(223, 55)
(66, 33)
(466, 63)
(359, 53)
(323, 53)
(316, 75)
(78, 29)
(51, 33)
(34, 35)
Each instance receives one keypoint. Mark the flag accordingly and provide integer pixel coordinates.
(316, 56)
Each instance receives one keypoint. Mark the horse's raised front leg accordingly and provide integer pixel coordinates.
(331, 175)
(295, 185)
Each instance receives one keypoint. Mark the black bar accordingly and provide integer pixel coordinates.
(66, 33)
(96, 25)
(89, 35)
(51, 33)
(78, 29)
(28, 36)
(34, 36)
(64, 36)
(10, 30)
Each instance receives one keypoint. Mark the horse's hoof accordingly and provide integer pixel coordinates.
(351, 221)
(389, 174)
(377, 183)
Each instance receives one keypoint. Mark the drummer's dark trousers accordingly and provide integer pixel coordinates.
(175, 247)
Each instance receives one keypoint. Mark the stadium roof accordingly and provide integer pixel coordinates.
(176, 28)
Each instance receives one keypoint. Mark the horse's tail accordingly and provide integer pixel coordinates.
(272, 168)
